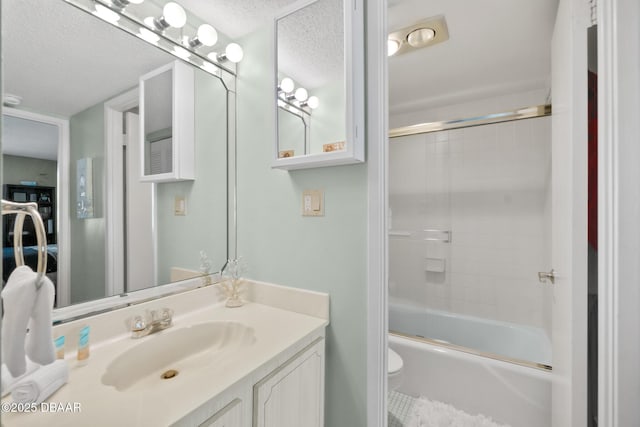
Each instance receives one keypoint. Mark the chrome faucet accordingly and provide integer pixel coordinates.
(152, 321)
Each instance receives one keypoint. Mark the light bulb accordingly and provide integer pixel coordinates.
(174, 14)
(301, 94)
(421, 37)
(287, 85)
(106, 14)
(234, 52)
(313, 102)
(392, 47)
(207, 35)
(148, 35)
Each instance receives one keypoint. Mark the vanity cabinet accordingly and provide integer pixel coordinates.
(167, 120)
(286, 392)
(293, 394)
(229, 416)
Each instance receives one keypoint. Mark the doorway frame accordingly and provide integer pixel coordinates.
(618, 212)
(114, 242)
(63, 291)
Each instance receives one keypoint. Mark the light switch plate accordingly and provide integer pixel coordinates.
(180, 206)
(312, 203)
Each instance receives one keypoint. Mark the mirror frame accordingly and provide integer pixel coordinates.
(227, 78)
(354, 97)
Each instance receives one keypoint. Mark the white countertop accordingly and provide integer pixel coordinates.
(276, 330)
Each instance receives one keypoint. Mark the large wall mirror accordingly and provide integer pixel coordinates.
(69, 143)
(319, 54)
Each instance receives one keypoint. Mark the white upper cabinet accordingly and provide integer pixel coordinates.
(167, 124)
(319, 84)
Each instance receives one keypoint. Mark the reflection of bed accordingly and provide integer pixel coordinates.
(30, 254)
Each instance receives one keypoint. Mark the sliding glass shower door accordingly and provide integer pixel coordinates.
(469, 230)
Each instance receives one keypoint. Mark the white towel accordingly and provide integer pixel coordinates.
(38, 386)
(19, 297)
(8, 380)
(39, 345)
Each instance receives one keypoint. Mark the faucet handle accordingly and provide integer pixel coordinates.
(165, 317)
(138, 326)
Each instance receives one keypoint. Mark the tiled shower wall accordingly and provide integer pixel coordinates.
(489, 186)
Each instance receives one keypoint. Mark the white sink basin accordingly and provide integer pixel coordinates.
(183, 350)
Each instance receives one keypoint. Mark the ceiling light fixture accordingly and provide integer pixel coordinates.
(421, 37)
(428, 32)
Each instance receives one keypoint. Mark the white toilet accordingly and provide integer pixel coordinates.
(394, 370)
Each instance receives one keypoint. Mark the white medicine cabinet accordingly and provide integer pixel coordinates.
(167, 124)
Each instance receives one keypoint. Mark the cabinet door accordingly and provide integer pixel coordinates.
(229, 416)
(167, 114)
(293, 395)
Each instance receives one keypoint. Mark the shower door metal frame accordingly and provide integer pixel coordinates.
(507, 116)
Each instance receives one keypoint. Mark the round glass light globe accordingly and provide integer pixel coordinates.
(313, 102)
(301, 94)
(287, 85)
(207, 35)
(421, 37)
(234, 52)
(174, 14)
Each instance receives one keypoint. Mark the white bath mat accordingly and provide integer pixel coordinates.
(429, 413)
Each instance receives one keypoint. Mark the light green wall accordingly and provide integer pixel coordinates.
(87, 235)
(325, 254)
(18, 168)
(204, 227)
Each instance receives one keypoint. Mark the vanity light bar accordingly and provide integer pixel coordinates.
(155, 30)
(289, 97)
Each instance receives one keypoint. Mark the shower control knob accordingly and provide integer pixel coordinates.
(543, 276)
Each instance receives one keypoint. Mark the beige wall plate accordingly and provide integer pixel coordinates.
(312, 203)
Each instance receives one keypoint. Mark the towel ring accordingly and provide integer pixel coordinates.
(21, 210)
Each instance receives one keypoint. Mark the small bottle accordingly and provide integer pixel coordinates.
(59, 343)
(83, 346)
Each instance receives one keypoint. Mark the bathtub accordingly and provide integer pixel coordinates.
(511, 341)
(507, 392)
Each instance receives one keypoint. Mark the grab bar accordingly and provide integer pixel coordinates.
(21, 210)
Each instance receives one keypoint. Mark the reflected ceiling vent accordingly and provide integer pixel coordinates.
(422, 34)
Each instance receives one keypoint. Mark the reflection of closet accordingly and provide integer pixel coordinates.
(45, 197)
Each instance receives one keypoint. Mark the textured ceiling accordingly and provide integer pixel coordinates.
(62, 60)
(495, 47)
(310, 41)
